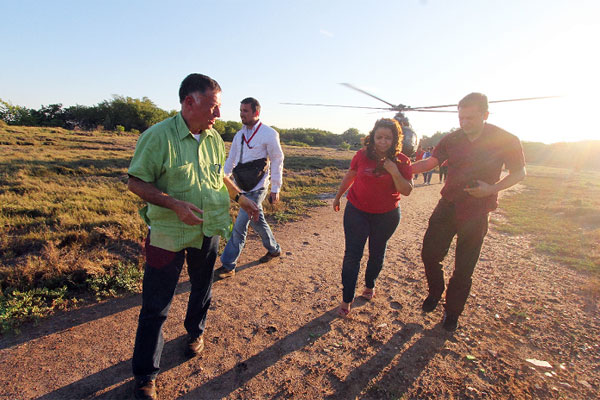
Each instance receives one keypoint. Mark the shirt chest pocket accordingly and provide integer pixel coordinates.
(181, 179)
(214, 175)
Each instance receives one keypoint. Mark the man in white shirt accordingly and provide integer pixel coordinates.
(253, 142)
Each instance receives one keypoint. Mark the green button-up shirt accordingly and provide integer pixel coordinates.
(169, 157)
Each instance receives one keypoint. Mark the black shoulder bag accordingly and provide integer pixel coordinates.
(247, 175)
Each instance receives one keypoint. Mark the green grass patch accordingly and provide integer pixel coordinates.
(19, 306)
(561, 209)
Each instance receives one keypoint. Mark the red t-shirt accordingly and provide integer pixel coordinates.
(375, 192)
(479, 160)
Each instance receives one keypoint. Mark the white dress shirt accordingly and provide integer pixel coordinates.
(265, 144)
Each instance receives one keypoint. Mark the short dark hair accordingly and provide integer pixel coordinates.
(396, 146)
(253, 103)
(475, 99)
(197, 83)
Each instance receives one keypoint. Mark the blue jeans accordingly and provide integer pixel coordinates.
(161, 274)
(358, 226)
(235, 245)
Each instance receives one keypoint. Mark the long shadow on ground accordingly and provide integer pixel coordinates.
(119, 374)
(228, 382)
(69, 319)
(360, 377)
(405, 371)
(218, 387)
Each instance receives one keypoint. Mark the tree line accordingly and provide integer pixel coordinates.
(126, 112)
(137, 115)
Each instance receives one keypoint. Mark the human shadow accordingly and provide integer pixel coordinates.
(119, 374)
(68, 319)
(239, 268)
(406, 370)
(223, 385)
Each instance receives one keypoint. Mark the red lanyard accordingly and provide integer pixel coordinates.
(251, 137)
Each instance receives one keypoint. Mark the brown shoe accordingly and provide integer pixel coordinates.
(269, 256)
(145, 389)
(223, 273)
(194, 346)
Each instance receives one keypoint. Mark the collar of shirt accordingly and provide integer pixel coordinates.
(183, 130)
(245, 129)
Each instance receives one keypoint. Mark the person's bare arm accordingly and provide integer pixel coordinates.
(347, 181)
(149, 193)
(245, 203)
(424, 165)
(484, 189)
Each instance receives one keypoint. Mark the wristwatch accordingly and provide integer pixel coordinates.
(237, 197)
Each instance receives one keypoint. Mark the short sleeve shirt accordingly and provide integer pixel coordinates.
(481, 160)
(373, 190)
(169, 157)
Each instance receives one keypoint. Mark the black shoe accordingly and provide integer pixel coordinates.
(269, 256)
(223, 273)
(194, 346)
(145, 389)
(430, 304)
(450, 322)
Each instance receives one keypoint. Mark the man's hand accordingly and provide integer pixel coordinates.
(482, 189)
(185, 213)
(274, 198)
(250, 207)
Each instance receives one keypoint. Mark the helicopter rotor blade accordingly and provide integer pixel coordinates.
(439, 111)
(428, 107)
(338, 105)
(492, 101)
(525, 98)
(367, 93)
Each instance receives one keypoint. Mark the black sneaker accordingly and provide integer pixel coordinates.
(145, 389)
(194, 346)
(450, 322)
(269, 256)
(223, 273)
(430, 304)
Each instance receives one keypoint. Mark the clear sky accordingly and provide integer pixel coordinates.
(414, 52)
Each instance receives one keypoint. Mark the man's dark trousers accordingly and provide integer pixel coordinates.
(443, 226)
(161, 275)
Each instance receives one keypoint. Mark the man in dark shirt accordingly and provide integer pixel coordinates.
(476, 154)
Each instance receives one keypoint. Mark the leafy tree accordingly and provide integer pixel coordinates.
(427, 141)
(83, 117)
(51, 115)
(352, 137)
(16, 115)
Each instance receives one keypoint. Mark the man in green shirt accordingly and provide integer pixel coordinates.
(177, 168)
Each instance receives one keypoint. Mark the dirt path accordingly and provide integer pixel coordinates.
(272, 330)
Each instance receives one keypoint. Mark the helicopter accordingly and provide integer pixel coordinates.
(411, 139)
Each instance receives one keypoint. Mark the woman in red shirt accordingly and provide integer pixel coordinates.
(379, 173)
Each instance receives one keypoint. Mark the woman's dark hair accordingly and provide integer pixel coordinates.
(397, 134)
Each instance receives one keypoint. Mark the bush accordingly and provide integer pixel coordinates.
(297, 144)
(120, 128)
(344, 146)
